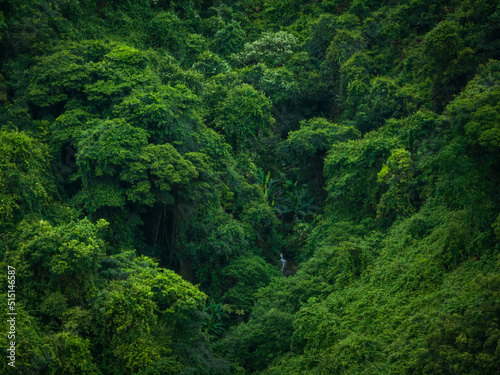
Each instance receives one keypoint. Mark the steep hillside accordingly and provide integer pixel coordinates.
(251, 187)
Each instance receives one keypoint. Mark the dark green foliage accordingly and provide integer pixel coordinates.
(255, 344)
(317, 136)
(229, 39)
(244, 276)
(61, 258)
(211, 64)
(168, 113)
(243, 115)
(466, 342)
(351, 169)
(251, 187)
(115, 152)
(26, 184)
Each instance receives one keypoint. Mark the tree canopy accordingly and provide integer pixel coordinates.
(257, 187)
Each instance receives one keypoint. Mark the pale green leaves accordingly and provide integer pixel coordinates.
(272, 49)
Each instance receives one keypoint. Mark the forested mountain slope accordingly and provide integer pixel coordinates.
(158, 159)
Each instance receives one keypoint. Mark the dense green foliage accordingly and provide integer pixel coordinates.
(158, 159)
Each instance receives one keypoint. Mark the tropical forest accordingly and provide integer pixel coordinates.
(267, 187)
